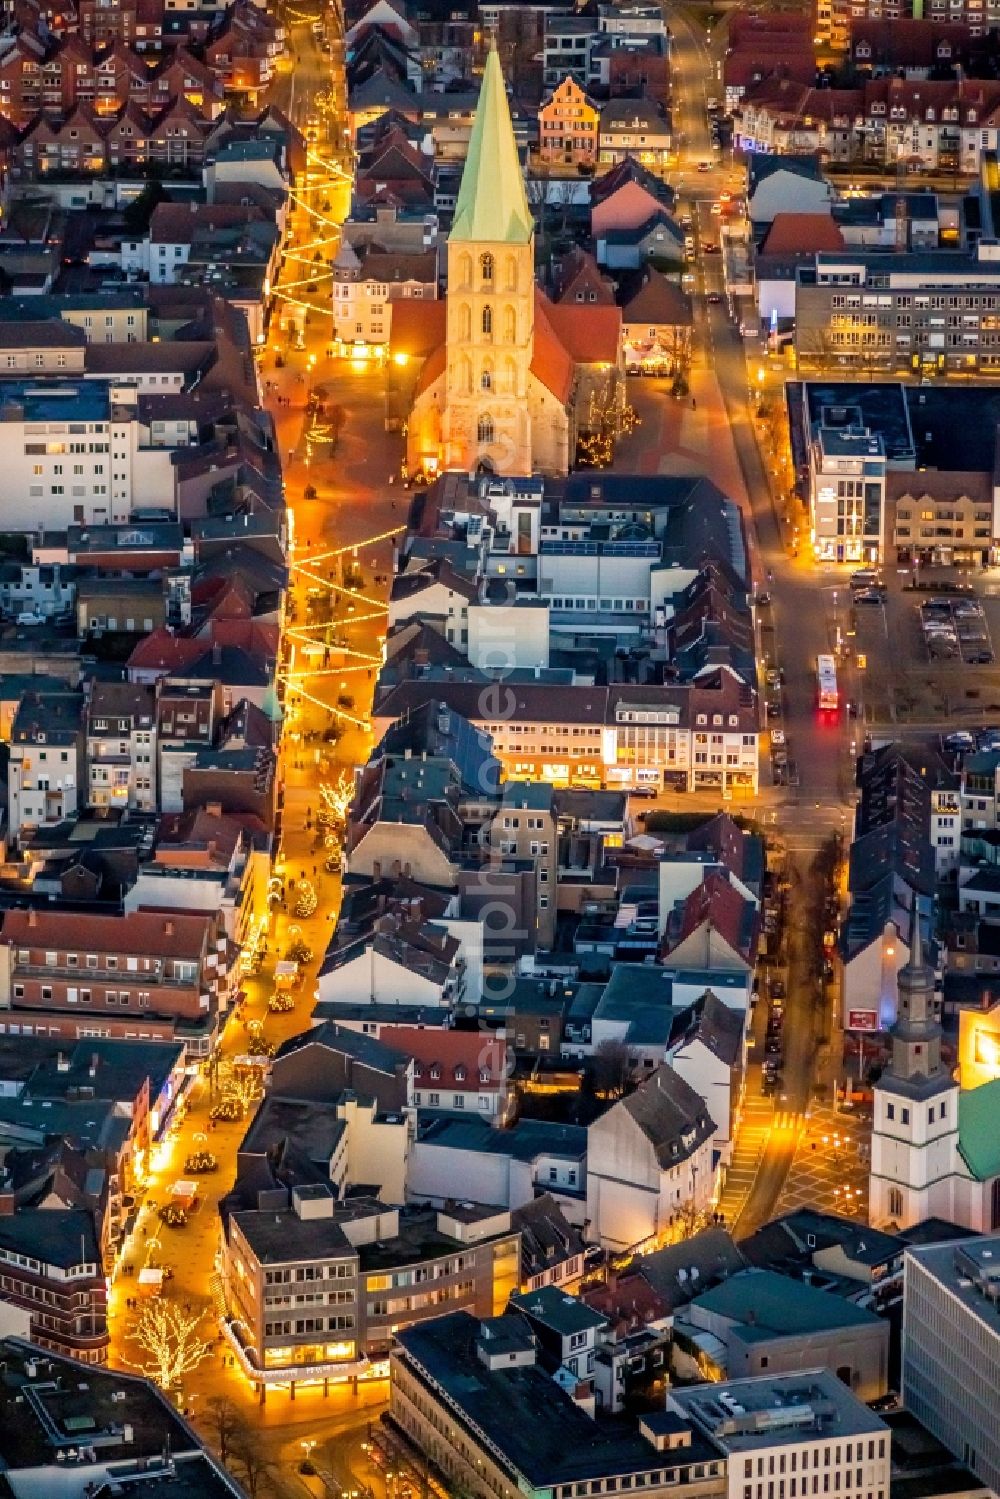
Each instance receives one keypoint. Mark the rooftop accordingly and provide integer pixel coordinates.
(64, 1406)
(741, 1415)
(55, 401)
(768, 1305)
(533, 1426)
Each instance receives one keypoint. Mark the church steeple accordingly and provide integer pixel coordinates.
(916, 1035)
(492, 205)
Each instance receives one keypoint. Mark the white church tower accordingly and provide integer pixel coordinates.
(915, 1131)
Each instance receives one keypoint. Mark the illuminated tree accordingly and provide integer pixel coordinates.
(170, 1341)
(243, 1084)
(335, 799)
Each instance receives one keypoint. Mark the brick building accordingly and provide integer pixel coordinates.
(145, 975)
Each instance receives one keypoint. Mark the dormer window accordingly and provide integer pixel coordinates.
(460, 1073)
(484, 1076)
(435, 1073)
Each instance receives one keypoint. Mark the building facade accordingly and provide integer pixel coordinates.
(317, 1291)
(951, 1348)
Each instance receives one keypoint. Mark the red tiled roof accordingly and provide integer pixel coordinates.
(433, 368)
(148, 934)
(166, 652)
(802, 232)
(417, 328)
(454, 1052)
(551, 364)
(715, 900)
(590, 334)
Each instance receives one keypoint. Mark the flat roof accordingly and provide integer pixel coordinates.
(55, 401)
(535, 1428)
(742, 1415)
(965, 1268)
(881, 407)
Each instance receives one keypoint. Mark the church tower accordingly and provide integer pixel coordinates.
(491, 298)
(915, 1130)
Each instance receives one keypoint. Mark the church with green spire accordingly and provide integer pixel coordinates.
(513, 379)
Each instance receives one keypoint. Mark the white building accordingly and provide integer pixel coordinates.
(807, 1427)
(935, 1147)
(366, 282)
(501, 1168)
(951, 1349)
(77, 452)
(649, 1164)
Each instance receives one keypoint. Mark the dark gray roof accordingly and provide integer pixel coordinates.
(670, 1114)
(710, 1254)
(524, 1140)
(54, 1236)
(338, 1038)
(534, 1426)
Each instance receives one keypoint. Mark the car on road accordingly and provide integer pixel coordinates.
(978, 658)
(777, 988)
(763, 599)
(704, 166)
(868, 596)
(777, 736)
(716, 210)
(865, 577)
(708, 247)
(714, 298)
(960, 740)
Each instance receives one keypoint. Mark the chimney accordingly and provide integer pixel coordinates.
(168, 929)
(213, 809)
(32, 918)
(62, 1062)
(94, 1059)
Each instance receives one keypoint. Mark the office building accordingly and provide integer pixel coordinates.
(951, 1348)
(802, 1434)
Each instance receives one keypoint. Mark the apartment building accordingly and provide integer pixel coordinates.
(931, 311)
(835, 18)
(692, 737)
(567, 127)
(144, 975)
(888, 476)
(318, 1289)
(526, 827)
(473, 1396)
(635, 127)
(206, 862)
(456, 1072)
(366, 282)
(951, 1348)
(77, 452)
(46, 770)
(806, 1430)
(120, 725)
(51, 1271)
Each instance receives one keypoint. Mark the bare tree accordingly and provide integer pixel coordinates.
(225, 1421)
(247, 1454)
(612, 1069)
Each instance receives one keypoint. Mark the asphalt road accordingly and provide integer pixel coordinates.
(801, 623)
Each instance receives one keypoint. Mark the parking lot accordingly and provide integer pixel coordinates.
(925, 656)
(955, 629)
